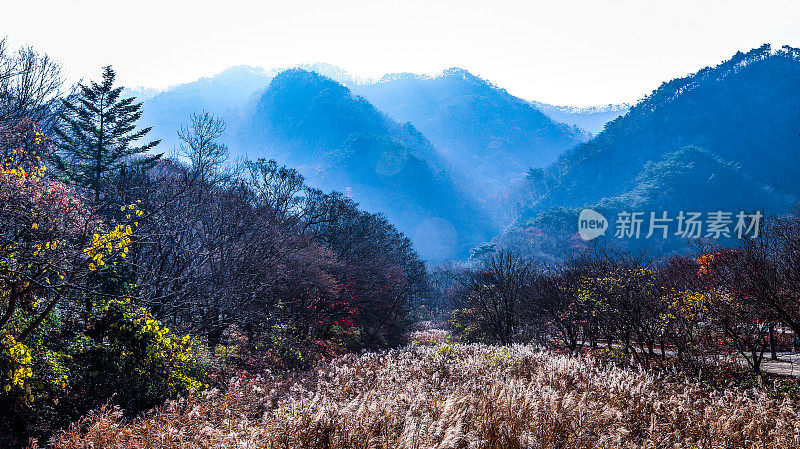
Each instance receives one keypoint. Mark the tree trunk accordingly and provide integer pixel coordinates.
(756, 363)
(772, 354)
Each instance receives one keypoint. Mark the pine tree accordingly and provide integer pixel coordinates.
(95, 138)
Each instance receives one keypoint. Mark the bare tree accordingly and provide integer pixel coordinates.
(495, 292)
(275, 186)
(200, 145)
(30, 85)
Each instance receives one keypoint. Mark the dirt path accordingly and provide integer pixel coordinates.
(787, 364)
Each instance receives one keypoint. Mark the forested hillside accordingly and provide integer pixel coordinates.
(743, 111)
(487, 134)
(724, 138)
(222, 95)
(128, 277)
(342, 142)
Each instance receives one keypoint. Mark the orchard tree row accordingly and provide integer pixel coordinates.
(740, 303)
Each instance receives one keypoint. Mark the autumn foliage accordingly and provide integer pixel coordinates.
(723, 304)
(133, 293)
(64, 347)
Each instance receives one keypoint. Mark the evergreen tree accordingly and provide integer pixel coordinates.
(98, 130)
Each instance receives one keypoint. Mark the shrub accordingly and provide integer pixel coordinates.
(133, 356)
(464, 323)
(67, 368)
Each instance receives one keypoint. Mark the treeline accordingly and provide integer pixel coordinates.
(693, 309)
(125, 276)
(247, 248)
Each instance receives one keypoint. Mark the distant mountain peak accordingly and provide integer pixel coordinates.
(239, 70)
(452, 72)
(335, 73)
(481, 130)
(401, 76)
(594, 109)
(460, 73)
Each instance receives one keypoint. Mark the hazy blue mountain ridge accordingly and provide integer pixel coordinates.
(341, 141)
(488, 135)
(590, 119)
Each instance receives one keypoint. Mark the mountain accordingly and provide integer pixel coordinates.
(686, 181)
(590, 119)
(223, 95)
(745, 111)
(341, 141)
(141, 93)
(479, 130)
(693, 179)
(306, 113)
(487, 134)
(228, 94)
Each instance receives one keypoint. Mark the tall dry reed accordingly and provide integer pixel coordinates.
(454, 396)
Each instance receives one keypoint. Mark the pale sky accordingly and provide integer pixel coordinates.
(568, 52)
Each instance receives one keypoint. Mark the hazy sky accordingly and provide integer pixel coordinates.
(575, 52)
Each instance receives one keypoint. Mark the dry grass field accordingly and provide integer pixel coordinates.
(453, 396)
